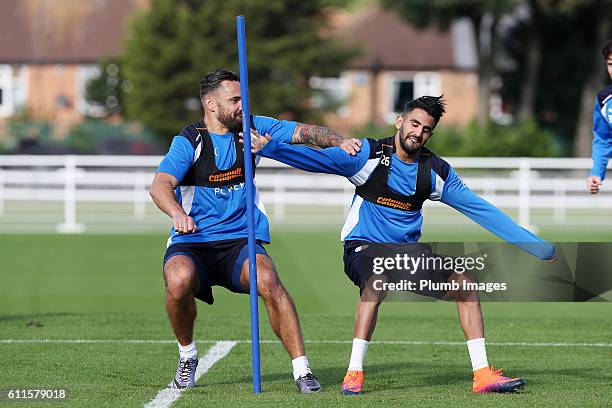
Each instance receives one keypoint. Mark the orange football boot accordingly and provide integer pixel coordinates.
(488, 379)
(353, 383)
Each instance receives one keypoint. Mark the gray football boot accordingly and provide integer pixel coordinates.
(308, 384)
(185, 373)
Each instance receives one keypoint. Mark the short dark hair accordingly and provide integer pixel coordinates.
(607, 49)
(212, 81)
(435, 106)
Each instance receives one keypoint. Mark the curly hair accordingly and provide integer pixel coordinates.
(435, 106)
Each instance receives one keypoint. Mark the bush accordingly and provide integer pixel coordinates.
(4, 148)
(98, 137)
(25, 132)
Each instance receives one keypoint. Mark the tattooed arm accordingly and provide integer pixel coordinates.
(316, 135)
(323, 137)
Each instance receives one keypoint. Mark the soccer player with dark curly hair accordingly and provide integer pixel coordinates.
(392, 178)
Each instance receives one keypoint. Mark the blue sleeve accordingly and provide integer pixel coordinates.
(460, 197)
(281, 130)
(602, 143)
(179, 158)
(331, 160)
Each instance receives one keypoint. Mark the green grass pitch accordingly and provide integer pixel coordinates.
(109, 287)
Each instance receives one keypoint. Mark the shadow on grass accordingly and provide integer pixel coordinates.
(334, 375)
(392, 376)
(25, 317)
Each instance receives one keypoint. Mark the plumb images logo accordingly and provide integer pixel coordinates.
(496, 271)
(430, 274)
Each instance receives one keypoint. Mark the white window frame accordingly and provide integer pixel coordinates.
(427, 83)
(7, 107)
(14, 85)
(338, 87)
(424, 83)
(84, 74)
(393, 78)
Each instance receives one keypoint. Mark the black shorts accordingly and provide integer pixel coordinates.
(218, 263)
(358, 255)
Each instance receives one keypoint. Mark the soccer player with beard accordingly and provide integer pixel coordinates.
(200, 186)
(393, 177)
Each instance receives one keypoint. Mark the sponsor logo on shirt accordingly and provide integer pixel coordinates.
(225, 176)
(389, 202)
(228, 190)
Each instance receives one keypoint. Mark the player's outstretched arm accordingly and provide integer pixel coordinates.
(162, 193)
(331, 160)
(301, 133)
(324, 137)
(459, 196)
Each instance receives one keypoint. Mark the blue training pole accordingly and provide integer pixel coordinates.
(250, 192)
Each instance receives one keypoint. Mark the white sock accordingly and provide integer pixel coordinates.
(188, 351)
(478, 353)
(360, 349)
(301, 367)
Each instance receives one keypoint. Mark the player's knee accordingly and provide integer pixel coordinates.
(181, 279)
(371, 294)
(268, 282)
(371, 299)
(181, 284)
(464, 281)
(269, 285)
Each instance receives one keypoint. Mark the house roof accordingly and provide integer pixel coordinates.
(387, 42)
(84, 31)
(63, 31)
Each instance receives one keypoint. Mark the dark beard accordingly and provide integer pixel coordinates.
(404, 145)
(233, 123)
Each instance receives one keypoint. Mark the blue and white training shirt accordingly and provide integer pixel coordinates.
(602, 132)
(375, 223)
(219, 213)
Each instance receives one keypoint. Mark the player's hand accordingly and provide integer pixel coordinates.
(183, 224)
(258, 142)
(593, 183)
(351, 146)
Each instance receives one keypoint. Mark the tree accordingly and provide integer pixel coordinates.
(484, 15)
(600, 32)
(533, 61)
(107, 90)
(175, 42)
(558, 66)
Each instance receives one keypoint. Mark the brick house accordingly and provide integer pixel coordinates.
(49, 50)
(398, 63)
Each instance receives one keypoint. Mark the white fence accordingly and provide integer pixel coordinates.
(32, 186)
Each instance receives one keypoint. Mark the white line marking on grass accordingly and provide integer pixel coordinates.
(167, 396)
(95, 341)
(389, 342)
